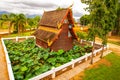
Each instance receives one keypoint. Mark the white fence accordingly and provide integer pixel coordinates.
(71, 63)
(9, 67)
(51, 72)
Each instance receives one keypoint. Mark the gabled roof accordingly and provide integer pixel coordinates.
(46, 34)
(53, 18)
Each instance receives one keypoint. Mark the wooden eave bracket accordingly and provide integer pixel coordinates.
(49, 42)
(59, 25)
(78, 39)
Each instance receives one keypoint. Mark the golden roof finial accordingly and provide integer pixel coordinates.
(71, 4)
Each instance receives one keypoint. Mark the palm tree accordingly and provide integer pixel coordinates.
(7, 18)
(19, 22)
(11, 18)
(3, 19)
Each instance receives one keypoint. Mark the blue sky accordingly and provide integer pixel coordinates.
(37, 7)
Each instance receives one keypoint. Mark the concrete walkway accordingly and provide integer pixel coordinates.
(3, 65)
(115, 48)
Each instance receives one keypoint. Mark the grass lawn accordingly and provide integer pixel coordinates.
(3, 27)
(115, 42)
(105, 72)
(21, 34)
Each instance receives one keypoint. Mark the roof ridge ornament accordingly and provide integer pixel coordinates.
(71, 5)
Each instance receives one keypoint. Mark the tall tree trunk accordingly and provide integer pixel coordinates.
(18, 30)
(102, 51)
(9, 29)
(22, 28)
(103, 44)
(92, 51)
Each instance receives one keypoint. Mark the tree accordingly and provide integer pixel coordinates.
(94, 21)
(117, 22)
(85, 20)
(102, 19)
(92, 33)
(1, 21)
(59, 8)
(11, 18)
(36, 20)
(82, 35)
(19, 22)
(30, 23)
(108, 20)
(7, 18)
(33, 22)
(4, 18)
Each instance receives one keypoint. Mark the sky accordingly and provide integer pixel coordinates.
(37, 7)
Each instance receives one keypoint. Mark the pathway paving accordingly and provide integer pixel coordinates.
(115, 48)
(3, 65)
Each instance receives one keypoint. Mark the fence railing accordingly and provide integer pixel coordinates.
(71, 63)
(51, 72)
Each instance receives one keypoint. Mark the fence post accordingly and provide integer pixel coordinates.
(34, 37)
(86, 57)
(26, 37)
(81, 41)
(73, 63)
(16, 38)
(53, 75)
(107, 47)
(91, 43)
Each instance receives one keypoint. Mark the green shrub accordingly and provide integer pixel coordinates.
(82, 35)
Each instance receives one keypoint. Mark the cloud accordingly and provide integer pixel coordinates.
(32, 7)
(77, 14)
(25, 5)
(40, 5)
